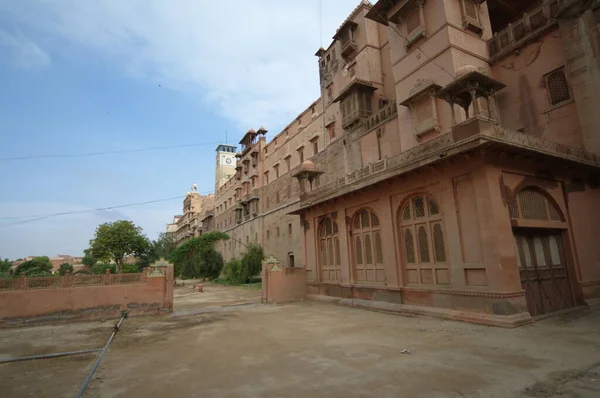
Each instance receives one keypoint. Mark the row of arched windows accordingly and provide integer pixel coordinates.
(421, 239)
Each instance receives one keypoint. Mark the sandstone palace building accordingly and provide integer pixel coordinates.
(451, 165)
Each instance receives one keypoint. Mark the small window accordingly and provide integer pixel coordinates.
(289, 191)
(266, 177)
(278, 232)
(268, 234)
(301, 155)
(557, 86)
(276, 167)
(290, 229)
(470, 9)
(277, 197)
(288, 163)
(329, 92)
(331, 132)
(315, 147)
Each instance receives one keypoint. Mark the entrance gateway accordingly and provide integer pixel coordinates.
(539, 230)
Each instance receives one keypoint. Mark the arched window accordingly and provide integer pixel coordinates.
(531, 204)
(329, 251)
(422, 241)
(368, 251)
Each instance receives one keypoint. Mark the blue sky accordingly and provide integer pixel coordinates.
(80, 77)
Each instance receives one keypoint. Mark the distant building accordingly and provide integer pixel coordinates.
(189, 225)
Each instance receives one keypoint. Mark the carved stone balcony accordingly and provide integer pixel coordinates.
(348, 47)
(532, 24)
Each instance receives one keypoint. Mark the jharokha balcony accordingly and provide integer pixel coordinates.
(533, 23)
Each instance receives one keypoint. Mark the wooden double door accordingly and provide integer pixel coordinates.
(543, 270)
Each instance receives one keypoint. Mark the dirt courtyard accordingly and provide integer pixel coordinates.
(306, 349)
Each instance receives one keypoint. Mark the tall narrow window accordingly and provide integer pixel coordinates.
(422, 241)
(557, 86)
(368, 250)
(329, 253)
(315, 147)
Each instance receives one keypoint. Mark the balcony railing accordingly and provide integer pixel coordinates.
(532, 23)
(355, 116)
(385, 113)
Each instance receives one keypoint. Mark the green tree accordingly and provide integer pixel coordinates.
(159, 248)
(38, 266)
(114, 241)
(64, 267)
(5, 266)
(197, 258)
(88, 259)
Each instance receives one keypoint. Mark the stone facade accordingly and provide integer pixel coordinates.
(456, 169)
(190, 224)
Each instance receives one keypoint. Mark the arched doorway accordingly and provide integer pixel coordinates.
(539, 228)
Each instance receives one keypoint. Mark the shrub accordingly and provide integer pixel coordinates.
(100, 268)
(197, 258)
(251, 263)
(130, 268)
(39, 266)
(82, 272)
(64, 268)
(231, 270)
(246, 269)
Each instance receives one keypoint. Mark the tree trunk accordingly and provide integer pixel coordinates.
(119, 264)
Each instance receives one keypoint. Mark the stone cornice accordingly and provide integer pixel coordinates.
(437, 150)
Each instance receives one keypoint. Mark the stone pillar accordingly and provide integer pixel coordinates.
(107, 277)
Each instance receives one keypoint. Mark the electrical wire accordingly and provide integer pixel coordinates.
(79, 155)
(46, 216)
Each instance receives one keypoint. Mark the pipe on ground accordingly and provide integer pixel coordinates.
(44, 356)
(99, 359)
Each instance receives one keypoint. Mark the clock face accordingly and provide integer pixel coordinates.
(228, 160)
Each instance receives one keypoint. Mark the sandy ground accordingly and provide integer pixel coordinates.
(186, 298)
(308, 350)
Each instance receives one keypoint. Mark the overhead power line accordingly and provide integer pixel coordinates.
(34, 218)
(80, 155)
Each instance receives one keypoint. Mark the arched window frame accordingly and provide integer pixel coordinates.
(534, 206)
(422, 241)
(329, 251)
(367, 247)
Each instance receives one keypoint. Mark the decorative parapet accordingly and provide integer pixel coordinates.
(384, 114)
(440, 147)
(521, 31)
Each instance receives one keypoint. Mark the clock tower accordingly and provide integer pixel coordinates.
(225, 166)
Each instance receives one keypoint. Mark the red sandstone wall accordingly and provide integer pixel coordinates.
(151, 296)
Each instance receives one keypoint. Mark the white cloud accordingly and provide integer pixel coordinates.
(252, 60)
(26, 53)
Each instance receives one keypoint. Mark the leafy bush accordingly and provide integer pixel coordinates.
(39, 266)
(82, 272)
(246, 269)
(251, 263)
(197, 258)
(231, 270)
(64, 267)
(130, 269)
(101, 268)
